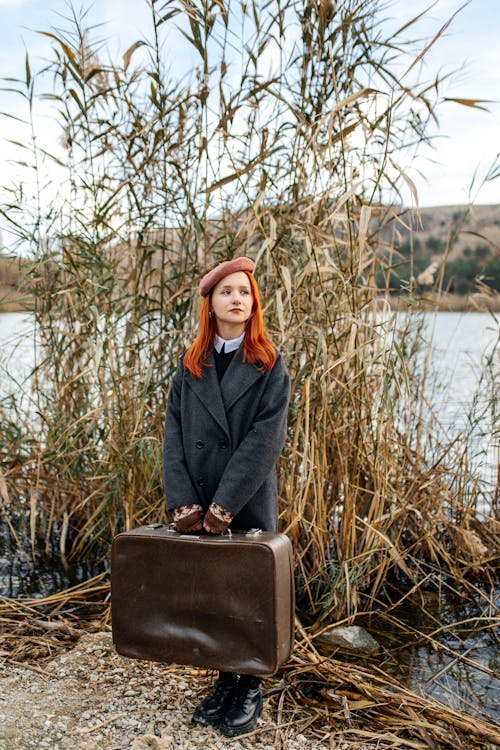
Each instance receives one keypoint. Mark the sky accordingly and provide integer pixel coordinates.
(465, 144)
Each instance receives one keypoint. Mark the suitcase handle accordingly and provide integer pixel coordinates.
(228, 532)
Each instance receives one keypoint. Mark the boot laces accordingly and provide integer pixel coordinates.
(222, 686)
(245, 696)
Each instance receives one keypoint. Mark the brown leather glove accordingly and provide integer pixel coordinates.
(217, 519)
(188, 518)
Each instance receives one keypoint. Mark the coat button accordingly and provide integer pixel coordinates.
(222, 445)
(201, 481)
(200, 444)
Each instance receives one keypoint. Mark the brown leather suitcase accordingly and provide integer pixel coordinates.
(218, 602)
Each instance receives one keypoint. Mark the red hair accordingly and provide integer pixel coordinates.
(257, 349)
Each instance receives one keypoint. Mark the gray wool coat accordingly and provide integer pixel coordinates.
(222, 441)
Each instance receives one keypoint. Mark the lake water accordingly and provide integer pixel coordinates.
(460, 344)
(17, 348)
(463, 385)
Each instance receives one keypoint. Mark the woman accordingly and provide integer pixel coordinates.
(224, 430)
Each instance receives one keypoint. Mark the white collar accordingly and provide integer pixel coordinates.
(229, 346)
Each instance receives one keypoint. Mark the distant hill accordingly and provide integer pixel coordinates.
(456, 227)
(451, 248)
(465, 238)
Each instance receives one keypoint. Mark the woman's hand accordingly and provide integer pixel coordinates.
(217, 519)
(188, 518)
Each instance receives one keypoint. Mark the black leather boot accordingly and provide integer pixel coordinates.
(213, 707)
(241, 717)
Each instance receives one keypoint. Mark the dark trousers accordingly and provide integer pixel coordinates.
(244, 679)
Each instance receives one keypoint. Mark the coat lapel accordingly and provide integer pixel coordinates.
(239, 377)
(209, 393)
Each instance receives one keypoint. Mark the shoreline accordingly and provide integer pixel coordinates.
(483, 303)
(489, 302)
(13, 301)
(88, 697)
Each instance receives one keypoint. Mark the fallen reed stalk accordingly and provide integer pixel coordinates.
(313, 694)
(37, 628)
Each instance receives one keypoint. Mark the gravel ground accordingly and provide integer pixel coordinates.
(90, 698)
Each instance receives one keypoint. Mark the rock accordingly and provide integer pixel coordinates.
(150, 742)
(352, 637)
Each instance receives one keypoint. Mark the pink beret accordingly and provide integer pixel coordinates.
(224, 269)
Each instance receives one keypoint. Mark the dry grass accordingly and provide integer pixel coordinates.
(313, 694)
(160, 177)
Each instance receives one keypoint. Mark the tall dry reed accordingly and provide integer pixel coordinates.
(285, 141)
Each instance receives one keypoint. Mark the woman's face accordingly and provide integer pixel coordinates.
(232, 302)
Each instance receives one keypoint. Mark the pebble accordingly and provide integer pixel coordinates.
(90, 698)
